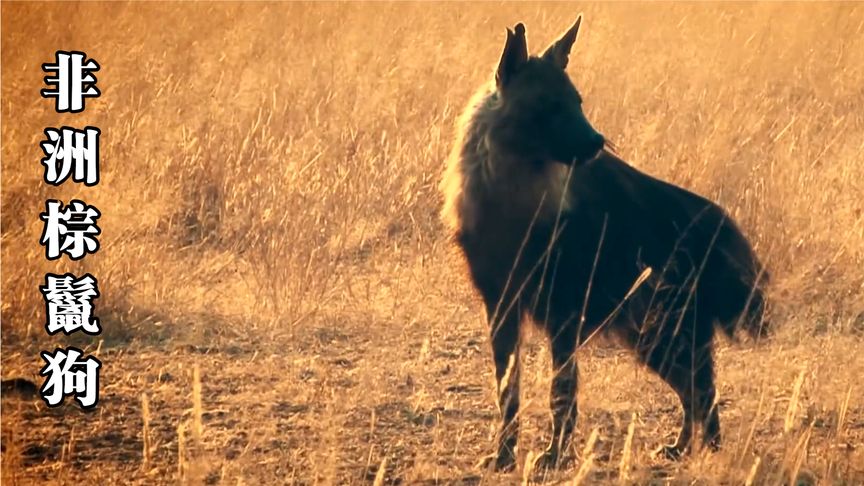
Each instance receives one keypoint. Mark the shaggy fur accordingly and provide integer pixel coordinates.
(559, 231)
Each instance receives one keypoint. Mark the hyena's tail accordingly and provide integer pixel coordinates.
(738, 282)
(754, 318)
(742, 305)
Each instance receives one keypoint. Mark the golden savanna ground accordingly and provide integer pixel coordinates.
(281, 305)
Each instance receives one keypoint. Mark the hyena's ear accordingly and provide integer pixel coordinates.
(559, 51)
(514, 56)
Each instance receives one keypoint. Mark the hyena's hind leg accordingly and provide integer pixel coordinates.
(504, 337)
(691, 376)
(685, 361)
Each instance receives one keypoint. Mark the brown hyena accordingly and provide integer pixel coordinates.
(557, 230)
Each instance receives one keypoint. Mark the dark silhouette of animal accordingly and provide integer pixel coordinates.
(557, 230)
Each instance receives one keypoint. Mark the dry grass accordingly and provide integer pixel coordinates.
(280, 303)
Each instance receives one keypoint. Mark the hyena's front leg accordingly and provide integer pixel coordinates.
(505, 352)
(562, 395)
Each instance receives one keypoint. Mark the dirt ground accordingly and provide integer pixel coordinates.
(329, 402)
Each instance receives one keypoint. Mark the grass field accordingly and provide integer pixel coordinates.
(281, 304)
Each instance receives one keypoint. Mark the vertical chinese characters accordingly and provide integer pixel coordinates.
(70, 230)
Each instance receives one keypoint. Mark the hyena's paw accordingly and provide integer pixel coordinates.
(503, 461)
(672, 452)
(713, 445)
(549, 459)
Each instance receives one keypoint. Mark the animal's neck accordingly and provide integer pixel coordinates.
(496, 183)
(525, 188)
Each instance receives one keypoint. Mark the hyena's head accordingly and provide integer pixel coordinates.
(540, 116)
